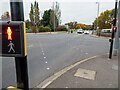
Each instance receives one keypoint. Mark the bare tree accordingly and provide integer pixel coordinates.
(5, 16)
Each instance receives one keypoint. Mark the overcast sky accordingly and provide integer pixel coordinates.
(82, 11)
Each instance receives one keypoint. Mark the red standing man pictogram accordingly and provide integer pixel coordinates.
(9, 33)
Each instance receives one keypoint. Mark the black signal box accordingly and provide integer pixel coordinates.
(13, 38)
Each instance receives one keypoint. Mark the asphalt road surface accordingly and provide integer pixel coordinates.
(50, 53)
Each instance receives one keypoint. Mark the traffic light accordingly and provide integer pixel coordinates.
(13, 38)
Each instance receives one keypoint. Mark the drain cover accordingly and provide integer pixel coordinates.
(87, 74)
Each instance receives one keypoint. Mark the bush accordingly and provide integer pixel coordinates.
(61, 28)
(32, 29)
(47, 29)
(44, 29)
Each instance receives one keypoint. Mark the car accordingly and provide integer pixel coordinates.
(86, 32)
(106, 30)
(80, 31)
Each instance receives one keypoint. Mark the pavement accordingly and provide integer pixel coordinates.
(100, 36)
(94, 72)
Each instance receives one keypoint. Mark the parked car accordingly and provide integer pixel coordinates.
(80, 31)
(86, 32)
(106, 30)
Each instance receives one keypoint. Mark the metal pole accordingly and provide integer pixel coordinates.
(116, 43)
(97, 15)
(17, 14)
(113, 32)
(98, 33)
(54, 15)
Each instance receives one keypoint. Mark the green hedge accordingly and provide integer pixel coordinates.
(44, 29)
(61, 28)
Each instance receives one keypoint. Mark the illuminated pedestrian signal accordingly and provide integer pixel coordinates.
(114, 28)
(13, 38)
(9, 33)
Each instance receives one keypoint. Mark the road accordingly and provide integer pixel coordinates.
(50, 53)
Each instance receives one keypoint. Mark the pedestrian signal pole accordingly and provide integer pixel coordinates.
(113, 30)
(17, 14)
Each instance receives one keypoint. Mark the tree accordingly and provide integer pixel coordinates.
(27, 23)
(5, 16)
(72, 25)
(34, 16)
(55, 16)
(53, 20)
(104, 20)
(46, 18)
(57, 12)
(49, 19)
(36, 12)
(31, 14)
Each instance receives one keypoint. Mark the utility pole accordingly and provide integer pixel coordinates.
(113, 31)
(17, 14)
(116, 43)
(97, 14)
(54, 15)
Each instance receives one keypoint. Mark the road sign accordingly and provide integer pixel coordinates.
(13, 38)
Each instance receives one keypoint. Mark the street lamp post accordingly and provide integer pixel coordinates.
(54, 16)
(97, 14)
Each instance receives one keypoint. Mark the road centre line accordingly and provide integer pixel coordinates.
(43, 53)
(48, 68)
(44, 57)
(52, 78)
(46, 62)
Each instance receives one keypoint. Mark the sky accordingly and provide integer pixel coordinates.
(82, 11)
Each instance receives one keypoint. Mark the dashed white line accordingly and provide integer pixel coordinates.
(44, 57)
(43, 53)
(29, 46)
(48, 68)
(46, 62)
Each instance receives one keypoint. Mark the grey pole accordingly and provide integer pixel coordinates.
(116, 43)
(97, 14)
(54, 15)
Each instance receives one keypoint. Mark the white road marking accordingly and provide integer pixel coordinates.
(29, 46)
(48, 83)
(43, 53)
(46, 62)
(44, 57)
(48, 68)
(52, 78)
